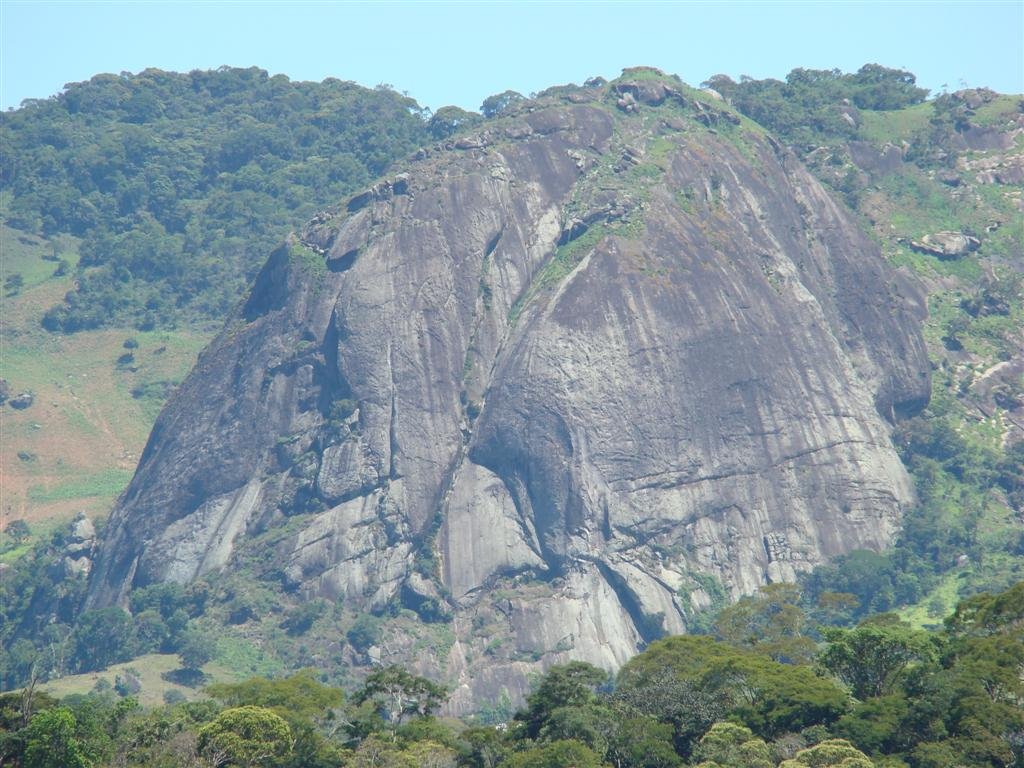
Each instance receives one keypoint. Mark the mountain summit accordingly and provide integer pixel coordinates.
(552, 386)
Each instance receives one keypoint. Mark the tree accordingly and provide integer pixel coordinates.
(165, 598)
(560, 754)
(594, 724)
(18, 530)
(482, 747)
(196, 649)
(869, 657)
(684, 704)
(771, 622)
(375, 752)
(18, 662)
(429, 754)
(987, 614)
(768, 697)
(831, 753)
(878, 724)
(642, 742)
(724, 84)
(499, 102)
(866, 575)
(301, 618)
(728, 745)
(836, 608)
(150, 630)
(298, 696)
(882, 88)
(448, 120)
(400, 694)
(128, 684)
(568, 685)
(245, 736)
(102, 638)
(14, 283)
(51, 741)
(364, 633)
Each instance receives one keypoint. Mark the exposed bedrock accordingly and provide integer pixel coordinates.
(584, 356)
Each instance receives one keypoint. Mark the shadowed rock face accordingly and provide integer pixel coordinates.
(584, 356)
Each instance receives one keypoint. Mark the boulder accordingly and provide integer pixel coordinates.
(22, 401)
(946, 245)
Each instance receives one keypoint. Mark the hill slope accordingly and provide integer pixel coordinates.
(179, 184)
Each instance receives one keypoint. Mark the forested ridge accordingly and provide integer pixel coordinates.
(180, 184)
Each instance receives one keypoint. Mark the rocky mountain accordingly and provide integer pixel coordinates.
(550, 387)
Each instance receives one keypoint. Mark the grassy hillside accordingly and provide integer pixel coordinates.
(75, 448)
(149, 670)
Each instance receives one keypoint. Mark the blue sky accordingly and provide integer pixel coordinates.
(459, 53)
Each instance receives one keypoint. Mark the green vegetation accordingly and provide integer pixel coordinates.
(179, 185)
(92, 413)
(877, 694)
(908, 124)
(565, 259)
(246, 736)
(309, 260)
(795, 675)
(108, 484)
(815, 106)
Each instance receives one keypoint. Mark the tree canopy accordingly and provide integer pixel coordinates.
(180, 184)
(814, 105)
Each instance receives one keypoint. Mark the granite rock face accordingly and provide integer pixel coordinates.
(590, 355)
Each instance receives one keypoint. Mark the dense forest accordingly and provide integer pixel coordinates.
(761, 694)
(180, 184)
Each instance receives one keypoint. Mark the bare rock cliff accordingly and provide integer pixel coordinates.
(615, 344)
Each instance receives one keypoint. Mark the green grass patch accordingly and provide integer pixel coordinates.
(309, 260)
(1000, 111)
(16, 553)
(107, 483)
(921, 205)
(685, 200)
(895, 125)
(936, 605)
(34, 258)
(647, 73)
(162, 361)
(239, 658)
(78, 422)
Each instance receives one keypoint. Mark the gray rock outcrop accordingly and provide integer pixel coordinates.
(79, 547)
(946, 245)
(593, 411)
(22, 400)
